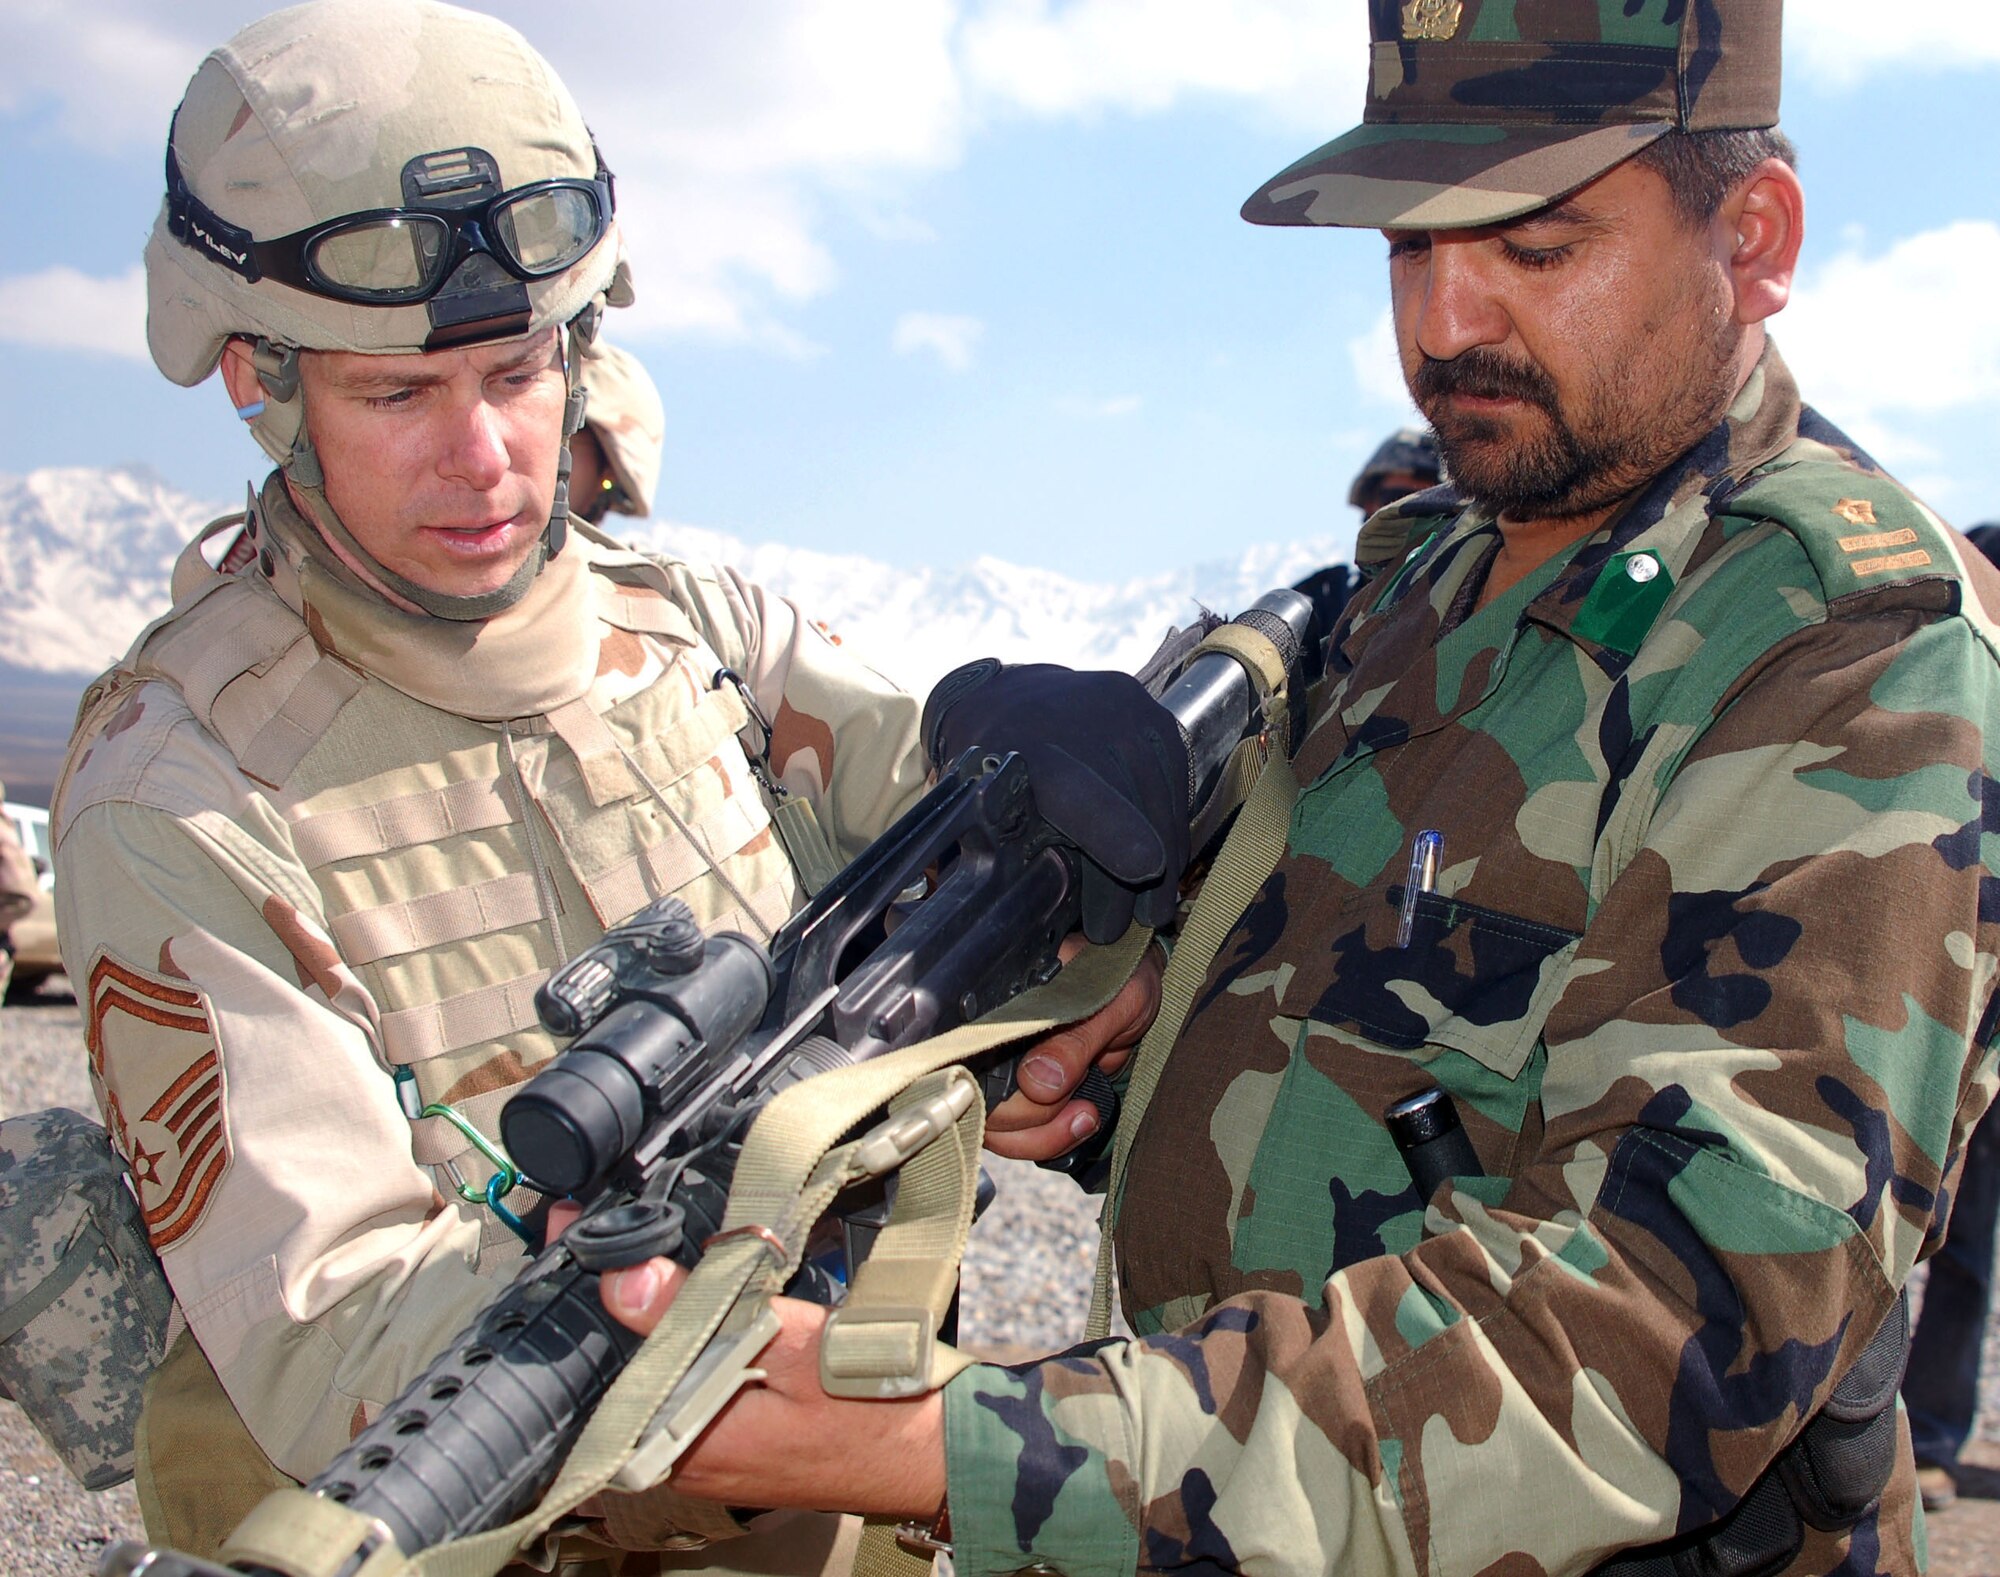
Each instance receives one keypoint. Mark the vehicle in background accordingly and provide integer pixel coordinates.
(34, 935)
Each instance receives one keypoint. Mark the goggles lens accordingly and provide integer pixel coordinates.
(386, 259)
(545, 231)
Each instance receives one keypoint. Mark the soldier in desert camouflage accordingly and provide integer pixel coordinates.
(615, 457)
(334, 818)
(1695, 715)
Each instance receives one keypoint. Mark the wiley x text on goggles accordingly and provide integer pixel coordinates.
(402, 256)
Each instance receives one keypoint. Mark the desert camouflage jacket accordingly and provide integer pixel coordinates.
(307, 896)
(1708, 970)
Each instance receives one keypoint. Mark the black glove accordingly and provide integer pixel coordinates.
(1108, 767)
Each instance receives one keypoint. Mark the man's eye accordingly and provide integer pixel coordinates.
(1409, 246)
(1535, 257)
(389, 402)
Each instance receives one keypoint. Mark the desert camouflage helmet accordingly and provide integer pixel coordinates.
(1480, 111)
(336, 109)
(626, 417)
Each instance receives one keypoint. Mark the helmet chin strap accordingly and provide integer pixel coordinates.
(280, 428)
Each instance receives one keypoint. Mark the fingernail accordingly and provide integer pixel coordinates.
(633, 1291)
(1083, 1125)
(1044, 1071)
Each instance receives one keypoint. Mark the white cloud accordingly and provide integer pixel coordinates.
(738, 131)
(63, 308)
(1303, 61)
(1914, 330)
(949, 336)
(113, 74)
(1839, 42)
(1099, 409)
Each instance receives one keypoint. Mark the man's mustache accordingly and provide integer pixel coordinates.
(1484, 374)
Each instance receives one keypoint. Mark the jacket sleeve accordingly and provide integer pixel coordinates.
(1760, 1077)
(841, 734)
(236, 1063)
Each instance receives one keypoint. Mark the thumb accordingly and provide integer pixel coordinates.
(639, 1296)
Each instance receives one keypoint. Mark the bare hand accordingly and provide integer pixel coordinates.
(1042, 1119)
(784, 1441)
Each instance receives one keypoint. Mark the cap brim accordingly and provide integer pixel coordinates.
(1443, 177)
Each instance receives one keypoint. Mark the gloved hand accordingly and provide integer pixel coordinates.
(1108, 767)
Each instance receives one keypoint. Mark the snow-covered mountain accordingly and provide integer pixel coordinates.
(86, 555)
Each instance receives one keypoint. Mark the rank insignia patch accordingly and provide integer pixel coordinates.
(153, 1054)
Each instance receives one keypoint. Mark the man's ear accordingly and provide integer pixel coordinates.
(239, 374)
(1759, 231)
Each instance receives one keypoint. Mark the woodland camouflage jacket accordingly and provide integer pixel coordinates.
(1709, 973)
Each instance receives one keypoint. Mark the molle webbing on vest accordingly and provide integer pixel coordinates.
(417, 1034)
(475, 805)
(672, 862)
(413, 925)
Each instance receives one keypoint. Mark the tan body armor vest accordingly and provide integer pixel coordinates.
(456, 862)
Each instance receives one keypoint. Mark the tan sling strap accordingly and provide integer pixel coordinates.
(791, 1169)
(1247, 857)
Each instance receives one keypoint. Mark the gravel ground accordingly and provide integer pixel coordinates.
(1027, 1290)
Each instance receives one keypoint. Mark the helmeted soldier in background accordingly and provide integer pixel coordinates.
(1645, 817)
(615, 456)
(335, 817)
(1405, 462)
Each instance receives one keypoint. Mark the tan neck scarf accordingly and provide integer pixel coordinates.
(524, 661)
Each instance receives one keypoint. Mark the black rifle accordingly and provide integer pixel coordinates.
(681, 1040)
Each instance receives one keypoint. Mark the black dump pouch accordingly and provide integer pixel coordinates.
(1830, 1477)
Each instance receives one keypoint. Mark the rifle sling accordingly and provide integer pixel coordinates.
(788, 1174)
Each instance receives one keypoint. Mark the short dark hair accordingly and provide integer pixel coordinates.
(1701, 168)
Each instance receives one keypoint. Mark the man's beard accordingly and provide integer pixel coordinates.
(1572, 464)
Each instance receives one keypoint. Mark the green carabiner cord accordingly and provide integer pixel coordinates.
(501, 1165)
(505, 1179)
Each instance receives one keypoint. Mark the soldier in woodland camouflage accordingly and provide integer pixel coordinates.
(335, 817)
(1704, 710)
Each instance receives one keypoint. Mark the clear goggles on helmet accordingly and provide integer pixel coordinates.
(392, 257)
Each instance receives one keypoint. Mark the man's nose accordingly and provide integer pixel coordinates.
(477, 454)
(1455, 306)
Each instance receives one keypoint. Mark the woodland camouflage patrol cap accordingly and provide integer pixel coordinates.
(1483, 110)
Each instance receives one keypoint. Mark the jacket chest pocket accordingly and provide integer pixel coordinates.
(1473, 978)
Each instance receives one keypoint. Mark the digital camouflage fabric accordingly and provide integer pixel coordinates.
(1483, 110)
(1708, 971)
(83, 1306)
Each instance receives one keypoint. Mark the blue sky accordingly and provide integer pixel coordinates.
(931, 279)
